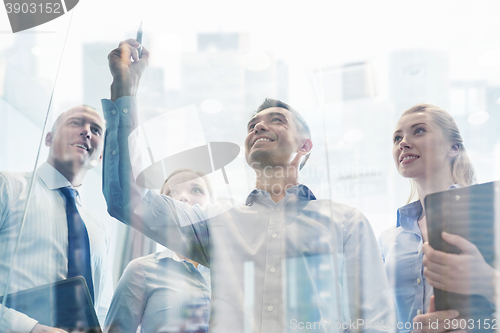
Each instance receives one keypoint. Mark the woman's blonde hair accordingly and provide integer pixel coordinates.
(462, 170)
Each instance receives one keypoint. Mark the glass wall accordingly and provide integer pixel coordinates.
(349, 68)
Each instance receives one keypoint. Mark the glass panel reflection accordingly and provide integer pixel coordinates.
(263, 257)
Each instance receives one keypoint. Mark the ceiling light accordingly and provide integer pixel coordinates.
(478, 118)
(36, 50)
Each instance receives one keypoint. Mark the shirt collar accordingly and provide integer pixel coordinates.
(52, 178)
(301, 191)
(166, 253)
(409, 214)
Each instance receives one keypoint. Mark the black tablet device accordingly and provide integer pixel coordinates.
(472, 212)
(64, 304)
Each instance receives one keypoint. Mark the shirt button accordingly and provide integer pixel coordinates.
(274, 235)
(113, 111)
(419, 312)
(419, 251)
(113, 152)
(125, 110)
(270, 308)
(277, 209)
(273, 269)
(418, 280)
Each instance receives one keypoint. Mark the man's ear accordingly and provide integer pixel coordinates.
(306, 146)
(305, 151)
(48, 139)
(454, 150)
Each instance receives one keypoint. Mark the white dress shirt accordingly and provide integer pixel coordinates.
(42, 253)
(162, 293)
(297, 264)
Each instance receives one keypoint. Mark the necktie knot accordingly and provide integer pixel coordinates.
(68, 192)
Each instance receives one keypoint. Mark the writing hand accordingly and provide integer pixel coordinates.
(127, 68)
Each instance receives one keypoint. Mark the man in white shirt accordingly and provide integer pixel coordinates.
(75, 143)
(284, 261)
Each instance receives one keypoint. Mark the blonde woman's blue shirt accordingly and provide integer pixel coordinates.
(401, 248)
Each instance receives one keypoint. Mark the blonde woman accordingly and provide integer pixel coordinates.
(164, 291)
(428, 149)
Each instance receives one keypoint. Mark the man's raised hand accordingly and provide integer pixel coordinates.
(126, 68)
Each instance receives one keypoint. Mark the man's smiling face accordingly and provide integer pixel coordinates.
(273, 138)
(77, 138)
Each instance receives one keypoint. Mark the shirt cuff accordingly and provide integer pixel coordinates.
(120, 113)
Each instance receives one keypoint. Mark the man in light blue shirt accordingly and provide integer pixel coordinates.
(75, 142)
(282, 262)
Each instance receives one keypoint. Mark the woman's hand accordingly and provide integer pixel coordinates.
(433, 321)
(464, 273)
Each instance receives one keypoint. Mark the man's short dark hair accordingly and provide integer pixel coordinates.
(299, 120)
(274, 103)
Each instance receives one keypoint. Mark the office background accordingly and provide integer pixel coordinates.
(350, 67)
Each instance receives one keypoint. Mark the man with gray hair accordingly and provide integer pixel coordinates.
(59, 239)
